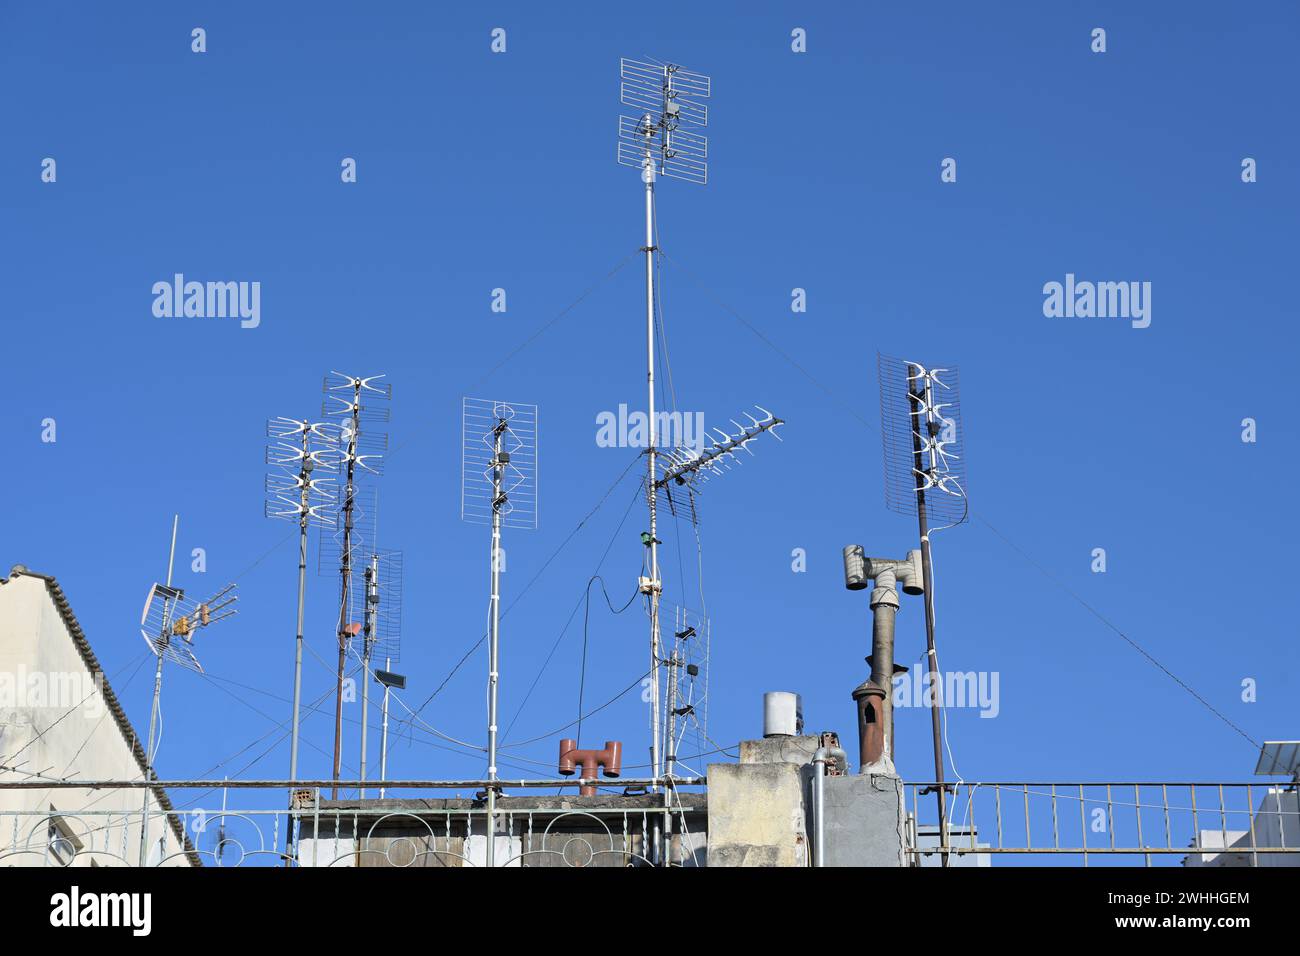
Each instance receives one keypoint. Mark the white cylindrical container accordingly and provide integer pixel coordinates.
(782, 714)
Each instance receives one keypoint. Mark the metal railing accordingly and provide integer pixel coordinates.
(70, 826)
(1156, 824)
(249, 823)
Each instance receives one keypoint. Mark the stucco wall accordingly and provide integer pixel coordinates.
(52, 711)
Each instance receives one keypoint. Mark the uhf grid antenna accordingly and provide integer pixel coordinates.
(380, 597)
(925, 475)
(688, 682)
(169, 624)
(360, 406)
(383, 635)
(499, 451)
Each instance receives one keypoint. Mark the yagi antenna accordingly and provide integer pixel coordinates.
(170, 622)
(681, 465)
(498, 486)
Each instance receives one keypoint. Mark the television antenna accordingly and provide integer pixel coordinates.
(925, 476)
(688, 682)
(381, 632)
(499, 449)
(360, 406)
(169, 624)
(298, 451)
(665, 139)
(302, 455)
(376, 594)
(661, 140)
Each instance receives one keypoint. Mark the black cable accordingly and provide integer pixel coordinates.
(586, 616)
(477, 644)
(1132, 643)
(555, 646)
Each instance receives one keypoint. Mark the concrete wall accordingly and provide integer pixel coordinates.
(756, 815)
(43, 677)
(761, 810)
(865, 821)
(758, 808)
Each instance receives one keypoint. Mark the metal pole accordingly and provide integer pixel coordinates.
(498, 499)
(157, 695)
(648, 175)
(148, 756)
(383, 734)
(372, 603)
(917, 396)
(304, 500)
(345, 573)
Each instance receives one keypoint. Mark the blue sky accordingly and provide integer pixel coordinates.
(479, 171)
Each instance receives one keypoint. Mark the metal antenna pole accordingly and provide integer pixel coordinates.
(499, 456)
(369, 634)
(304, 516)
(498, 500)
(921, 398)
(383, 734)
(346, 575)
(648, 174)
(153, 710)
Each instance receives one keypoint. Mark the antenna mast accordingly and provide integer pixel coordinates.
(296, 449)
(499, 487)
(168, 625)
(925, 475)
(360, 453)
(656, 143)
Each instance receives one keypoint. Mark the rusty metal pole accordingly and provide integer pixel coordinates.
(916, 396)
(345, 572)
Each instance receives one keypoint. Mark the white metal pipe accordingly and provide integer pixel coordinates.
(383, 733)
(497, 468)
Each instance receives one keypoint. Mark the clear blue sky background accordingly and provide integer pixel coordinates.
(479, 171)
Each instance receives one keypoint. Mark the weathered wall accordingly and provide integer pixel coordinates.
(865, 821)
(38, 652)
(757, 815)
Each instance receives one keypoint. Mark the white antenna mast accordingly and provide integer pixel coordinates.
(498, 487)
(657, 142)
